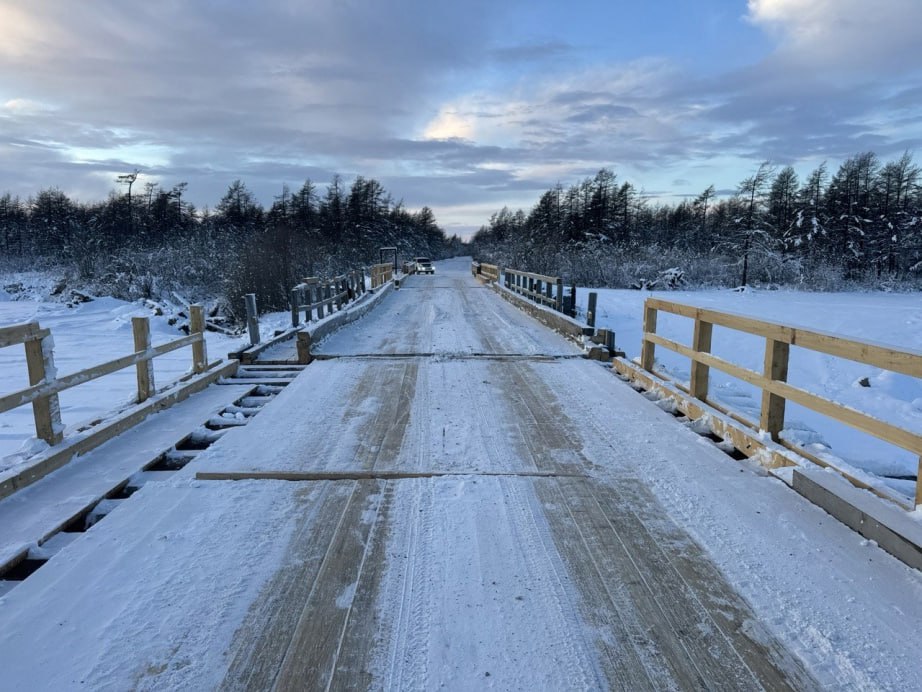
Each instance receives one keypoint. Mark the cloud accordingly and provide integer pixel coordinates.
(192, 90)
(443, 102)
(844, 35)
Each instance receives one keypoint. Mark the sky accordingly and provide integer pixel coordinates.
(462, 106)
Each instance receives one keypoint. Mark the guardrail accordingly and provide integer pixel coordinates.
(772, 380)
(313, 294)
(45, 385)
(381, 274)
(490, 272)
(537, 287)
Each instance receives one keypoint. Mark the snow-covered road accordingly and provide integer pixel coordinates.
(522, 520)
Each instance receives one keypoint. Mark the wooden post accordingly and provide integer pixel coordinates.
(776, 368)
(197, 326)
(311, 283)
(590, 313)
(701, 342)
(295, 307)
(919, 485)
(145, 369)
(304, 347)
(648, 348)
(573, 295)
(559, 304)
(549, 292)
(607, 337)
(252, 318)
(47, 410)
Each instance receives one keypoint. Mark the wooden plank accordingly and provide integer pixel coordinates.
(20, 333)
(357, 656)
(359, 475)
(678, 629)
(106, 431)
(632, 512)
(529, 275)
(316, 644)
(630, 653)
(769, 330)
(890, 528)
(774, 667)
(260, 645)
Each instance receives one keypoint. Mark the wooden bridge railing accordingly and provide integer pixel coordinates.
(325, 296)
(488, 271)
(381, 274)
(546, 290)
(45, 385)
(773, 378)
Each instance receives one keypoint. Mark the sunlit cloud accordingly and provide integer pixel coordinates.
(449, 125)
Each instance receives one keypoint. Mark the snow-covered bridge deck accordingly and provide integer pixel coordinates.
(469, 505)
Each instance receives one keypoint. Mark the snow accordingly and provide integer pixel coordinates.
(86, 335)
(473, 592)
(890, 318)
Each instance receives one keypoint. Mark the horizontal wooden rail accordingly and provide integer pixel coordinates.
(21, 333)
(773, 380)
(325, 295)
(856, 419)
(490, 272)
(45, 385)
(903, 361)
(381, 274)
(60, 384)
(537, 287)
(531, 275)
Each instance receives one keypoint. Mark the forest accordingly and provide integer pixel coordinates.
(145, 239)
(856, 227)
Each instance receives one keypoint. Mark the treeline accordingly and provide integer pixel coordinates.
(859, 225)
(148, 238)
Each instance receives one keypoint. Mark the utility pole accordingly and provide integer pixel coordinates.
(128, 179)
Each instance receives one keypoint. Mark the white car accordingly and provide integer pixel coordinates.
(424, 266)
